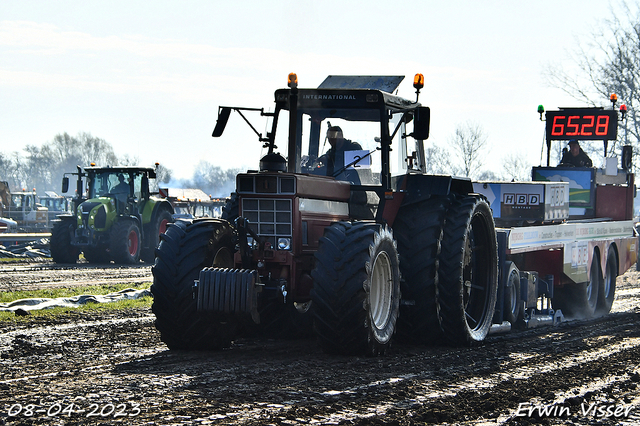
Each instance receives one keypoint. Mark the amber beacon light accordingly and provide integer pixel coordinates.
(292, 80)
(418, 83)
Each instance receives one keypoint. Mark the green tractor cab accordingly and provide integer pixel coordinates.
(115, 219)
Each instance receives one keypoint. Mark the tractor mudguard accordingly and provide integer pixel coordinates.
(419, 187)
(151, 209)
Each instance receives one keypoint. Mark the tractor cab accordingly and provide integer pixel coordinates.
(344, 130)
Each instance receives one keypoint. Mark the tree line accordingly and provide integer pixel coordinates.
(42, 168)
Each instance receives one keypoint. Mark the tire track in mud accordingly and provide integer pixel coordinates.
(496, 396)
(46, 275)
(121, 359)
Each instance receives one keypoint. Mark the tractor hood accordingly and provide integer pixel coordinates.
(96, 213)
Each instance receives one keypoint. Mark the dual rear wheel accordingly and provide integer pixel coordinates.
(448, 255)
(593, 297)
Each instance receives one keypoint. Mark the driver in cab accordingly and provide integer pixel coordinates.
(334, 157)
(121, 190)
(575, 156)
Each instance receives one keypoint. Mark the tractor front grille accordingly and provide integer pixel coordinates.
(271, 219)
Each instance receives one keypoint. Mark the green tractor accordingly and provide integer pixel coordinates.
(118, 219)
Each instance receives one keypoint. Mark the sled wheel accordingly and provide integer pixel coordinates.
(607, 290)
(579, 300)
(513, 303)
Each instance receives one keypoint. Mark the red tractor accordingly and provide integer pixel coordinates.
(352, 242)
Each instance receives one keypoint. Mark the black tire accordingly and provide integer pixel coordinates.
(125, 242)
(356, 290)
(468, 271)
(231, 210)
(60, 243)
(159, 226)
(185, 249)
(579, 300)
(513, 303)
(607, 289)
(418, 230)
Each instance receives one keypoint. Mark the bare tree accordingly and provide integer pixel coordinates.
(470, 142)
(438, 161)
(608, 62)
(516, 168)
(82, 150)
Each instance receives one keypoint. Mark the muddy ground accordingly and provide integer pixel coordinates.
(113, 369)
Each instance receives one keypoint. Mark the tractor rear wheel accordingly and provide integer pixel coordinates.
(418, 229)
(60, 244)
(158, 227)
(185, 249)
(356, 290)
(125, 242)
(468, 271)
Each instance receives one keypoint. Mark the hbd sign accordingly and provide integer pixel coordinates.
(522, 202)
(521, 199)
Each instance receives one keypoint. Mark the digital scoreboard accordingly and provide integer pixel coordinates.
(582, 124)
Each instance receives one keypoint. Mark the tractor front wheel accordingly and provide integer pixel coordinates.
(418, 229)
(125, 242)
(185, 249)
(356, 291)
(60, 244)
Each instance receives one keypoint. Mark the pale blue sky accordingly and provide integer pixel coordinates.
(148, 77)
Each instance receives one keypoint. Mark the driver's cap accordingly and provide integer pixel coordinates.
(334, 132)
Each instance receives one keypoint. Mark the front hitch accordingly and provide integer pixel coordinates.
(242, 226)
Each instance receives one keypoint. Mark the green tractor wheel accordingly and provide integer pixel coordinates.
(159, 227)
(60, 244)
(125, 242)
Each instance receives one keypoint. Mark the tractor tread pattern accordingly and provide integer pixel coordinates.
(184, 250)
(418, 230)
(451, 306)
(338, 295)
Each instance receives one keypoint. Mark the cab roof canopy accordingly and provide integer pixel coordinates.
(121, 169)
(350, 97)
(386, 83)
